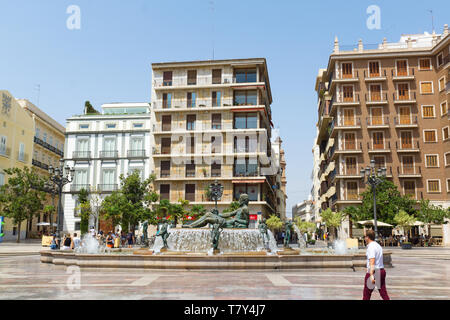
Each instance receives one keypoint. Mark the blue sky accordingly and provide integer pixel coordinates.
(109, 58)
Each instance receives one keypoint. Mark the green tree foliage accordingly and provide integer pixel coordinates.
(85, 210)
(21, 197)
(89, 109)
(233, 206)
(404, 221)
(274, 223)
(332, 220)
(305, 226)
(431, 214)
(389, 202)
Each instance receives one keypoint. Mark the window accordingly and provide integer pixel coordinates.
(37, 133)
(245, 98)
(167, 78)
(82, 126)
(425, 64)
(432, 160)
(426, 87)
(406, 140)
(374, 69)
(347, 93)
(440, 59)
(250, 189)
(108, 180)
(447, 158)
(2, 178)
(82, 145)
(167, 100)
(410, 188)
(190, 121)
(380, 161)
(403, 91)
(408, 165)
(429, 136)
(138, 125)
(350, 166)
(428, 112)
(216, 121)
(433, 186)
(164, 191)
(137, 144)
(81, 178)
(246, 120)
(245, 75)
(444, 108)
(216, 144)
(165, 145)
(191, 99)
(352, 190)
(166, 123)
(347, 70)
(216, 169)
(192, 77)
(448, 185)
(165, 168)
(45, 134)
(349, 141)
(77, 226)
(377, 116)
(3, 145)
(445, 133)
(217, 76)
(378, 140)
(190, 169)
(405, 115)
(189, 192)
(349, 117)
(375, 92)
(402, 68)
(216, 98)
(441, 83)
(110, 126)
(245, 144)
(245, 167)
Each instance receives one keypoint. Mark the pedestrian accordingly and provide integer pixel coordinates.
(130, 239)
(67, 243)
(375, 268)
(109, 240)
(123, 238)
(76, 241)
(117, 241)
(54, 243)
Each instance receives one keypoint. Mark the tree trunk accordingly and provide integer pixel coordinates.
(18, 232)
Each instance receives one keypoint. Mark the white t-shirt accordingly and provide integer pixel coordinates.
(374, 250)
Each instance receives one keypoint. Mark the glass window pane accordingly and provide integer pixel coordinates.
(252, 121)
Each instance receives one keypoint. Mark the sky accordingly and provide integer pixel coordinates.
(108, 59)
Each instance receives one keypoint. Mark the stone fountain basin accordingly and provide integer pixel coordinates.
(203, 261)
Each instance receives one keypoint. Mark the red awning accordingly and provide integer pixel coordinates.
(249, 181)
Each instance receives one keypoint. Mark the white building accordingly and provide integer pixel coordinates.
(304, 210)
(315, 196)
(101, 147)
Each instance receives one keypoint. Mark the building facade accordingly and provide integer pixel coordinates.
(16, 147)
(388, 104)
(280, 178)
(212, 121)
(48, 146)
(101, 148)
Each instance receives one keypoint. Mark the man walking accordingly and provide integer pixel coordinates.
(376, 275)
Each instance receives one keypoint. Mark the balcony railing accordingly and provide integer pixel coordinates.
(409, 170)
(408, 146)
(376, 98)
(377, 121)
(406, 121)
(199, 81)
(81, 155)
(342, 100)
(399, 74)
(48, 146)
(39, 164)
(376, 75)
(107, 187)
(386, 146)
(109, 154)
(411, 96)
(77, 187)
(136, 153)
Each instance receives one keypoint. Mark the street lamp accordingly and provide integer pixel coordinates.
(373, 179)
(59, 177)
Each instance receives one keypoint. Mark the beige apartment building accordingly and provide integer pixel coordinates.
(388, 104)
(212, 121)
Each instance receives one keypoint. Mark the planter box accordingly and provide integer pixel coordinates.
(406, 246)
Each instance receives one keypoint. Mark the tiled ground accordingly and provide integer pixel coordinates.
(417, 274)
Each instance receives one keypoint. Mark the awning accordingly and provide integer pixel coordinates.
(248, 181)
(371, 223)
(45, 224)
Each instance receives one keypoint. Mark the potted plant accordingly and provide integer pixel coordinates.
(205, 174)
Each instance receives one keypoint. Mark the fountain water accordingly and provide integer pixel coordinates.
(90, 245)
(301, 240)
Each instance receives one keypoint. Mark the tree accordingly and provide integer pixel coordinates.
(22, 197)
(274, 223)
(431, 214)
(332, 219)
(85, 210)
(89, 109)
(305, 226)
(405, 221)
(50, 210)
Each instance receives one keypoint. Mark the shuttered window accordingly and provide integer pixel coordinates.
(431, 160)
(426, 87)
(347, 71)
(192, 77)
(408, 164)
(348, 93)
(406, 139)
(402, 68)
(430, 136)
(378, 140)
(403, 91)
(434, 186)
(374, 69)
(428, 111)
(189, 192)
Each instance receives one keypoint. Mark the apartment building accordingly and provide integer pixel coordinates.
(16, 147)
(101, 147)
(48, 146)
(280, 178)
(389, 104)
(212, 121)
(304, 211)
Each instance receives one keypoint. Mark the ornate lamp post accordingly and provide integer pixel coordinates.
(216, 190)
(59, 177)
(373, 179)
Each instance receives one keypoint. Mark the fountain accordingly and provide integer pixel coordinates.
(90, 245)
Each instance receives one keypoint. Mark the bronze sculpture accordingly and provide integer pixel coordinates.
(163, 232)
(215, 235)
(287, 231)
(262, 226)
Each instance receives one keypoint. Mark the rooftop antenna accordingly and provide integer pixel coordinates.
(432, 20)
(212, 5)
(38, 88)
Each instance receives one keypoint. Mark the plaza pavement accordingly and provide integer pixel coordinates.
(420, 273)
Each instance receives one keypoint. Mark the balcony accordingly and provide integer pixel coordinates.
(379, 148)
(39, 164)
(77, 187)
(375, 98)
(109, 154)
(201, 81)
(407, 147)
(6, 152)
(343, 79)
(406, 122)
(409, 171)
(81, 155)
(48, 146)
(349, 147)
(408, 98)
(345, 124)
(376, 76)
(352, 101)
(107, 187)
(377, 122)
(136, 154)
(188, 105)
(403, 76)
